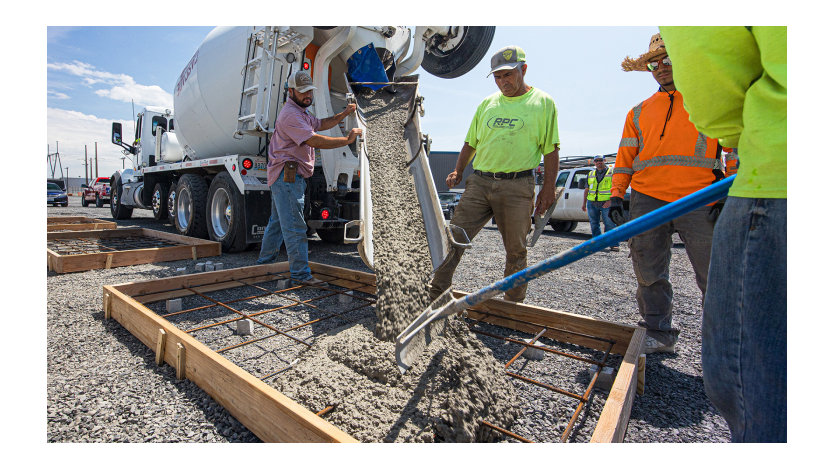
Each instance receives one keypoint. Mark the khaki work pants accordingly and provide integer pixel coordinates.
(511, 203)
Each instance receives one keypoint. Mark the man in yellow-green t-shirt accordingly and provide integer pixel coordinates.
(734, 83)
(511, 131)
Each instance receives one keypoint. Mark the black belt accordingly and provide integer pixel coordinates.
(505, 176)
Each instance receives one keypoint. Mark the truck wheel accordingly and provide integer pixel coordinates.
(171, 201)
(159, 201)
(563, 225)
(190, 206)
(84, 202)
(99, 201)
(462, 57)
(117, 210)
(225, 214)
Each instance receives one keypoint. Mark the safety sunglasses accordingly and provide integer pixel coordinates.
(652, 66)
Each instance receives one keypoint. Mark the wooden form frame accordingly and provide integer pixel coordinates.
(274, 417)
(74, 223)
(188, 248)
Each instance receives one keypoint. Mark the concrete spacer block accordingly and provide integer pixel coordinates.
(282, 284)
(344, 298)
(218, 266)
(245, 327)
(605, 379)
(180, 270)
(173, 305)
(200, 267)
(209, 267)
(533, 353)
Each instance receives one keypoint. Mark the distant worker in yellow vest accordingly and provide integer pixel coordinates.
(598, 198)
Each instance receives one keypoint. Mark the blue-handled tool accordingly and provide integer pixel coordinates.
(413, 340)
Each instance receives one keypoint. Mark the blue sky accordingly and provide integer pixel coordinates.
(94, 72)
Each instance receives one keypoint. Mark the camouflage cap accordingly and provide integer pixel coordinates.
(507, 58)
(301, 81)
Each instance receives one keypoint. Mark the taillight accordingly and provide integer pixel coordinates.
(243, 172)
(247, 163)
(325, 214)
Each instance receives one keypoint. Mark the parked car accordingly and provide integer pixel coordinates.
(448, 202)
(98, 192)
(55, 195)
(568, 211)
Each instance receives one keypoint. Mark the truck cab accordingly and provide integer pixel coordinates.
(568, 211)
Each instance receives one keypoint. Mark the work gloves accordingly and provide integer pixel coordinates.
(615, 212)
(715, 210)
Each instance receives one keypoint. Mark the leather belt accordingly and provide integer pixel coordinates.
(505, 176)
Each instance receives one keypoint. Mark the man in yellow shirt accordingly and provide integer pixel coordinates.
(509, 133)
(735, 86)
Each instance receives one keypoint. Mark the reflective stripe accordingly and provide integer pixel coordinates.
(623, 170)
(701, 145)
(637, 110)
(628, 142)
(674, 160)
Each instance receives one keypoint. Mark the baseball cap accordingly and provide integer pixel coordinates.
(301, 81)
(507, 58)
(599, 158)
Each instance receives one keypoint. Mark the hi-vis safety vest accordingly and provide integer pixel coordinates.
(599, 191)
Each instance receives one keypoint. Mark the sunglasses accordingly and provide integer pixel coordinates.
(652, 66)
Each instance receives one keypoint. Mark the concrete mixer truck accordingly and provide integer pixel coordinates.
(203, 164)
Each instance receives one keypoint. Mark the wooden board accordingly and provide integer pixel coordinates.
(274, 417)
(75, 223)
(188, 248)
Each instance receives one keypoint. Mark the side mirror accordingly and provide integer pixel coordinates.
(582, 184)
(116, 135)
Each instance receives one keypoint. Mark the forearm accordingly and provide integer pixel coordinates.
(332, 121)
(551, 168)
(326, 142)
(464, 157)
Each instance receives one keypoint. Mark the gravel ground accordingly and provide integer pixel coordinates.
(103, 384)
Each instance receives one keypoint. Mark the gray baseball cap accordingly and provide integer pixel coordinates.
(507, 58)
(301, 81)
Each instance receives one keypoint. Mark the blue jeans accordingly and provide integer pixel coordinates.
(594, 214)
(744, 346)
(287, 226)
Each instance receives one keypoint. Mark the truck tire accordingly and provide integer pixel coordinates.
(171, 201)
(117, 210)
(461, 58)
(99, 201)
(84, 202)
(159, 201)
(564, 225)
(190, 209)
(225, 214)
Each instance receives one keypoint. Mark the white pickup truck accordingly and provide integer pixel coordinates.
(568, 211)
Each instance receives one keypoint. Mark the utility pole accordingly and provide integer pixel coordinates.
(86, 181)
(96, 159)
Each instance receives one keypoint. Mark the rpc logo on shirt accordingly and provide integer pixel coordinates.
(505, 123)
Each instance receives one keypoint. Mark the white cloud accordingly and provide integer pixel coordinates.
(73, 130)
(119, 87)
(57, 95)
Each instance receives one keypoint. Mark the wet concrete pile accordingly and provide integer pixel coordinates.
(456, 383)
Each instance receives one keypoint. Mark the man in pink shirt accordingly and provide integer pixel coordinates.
(291, 160)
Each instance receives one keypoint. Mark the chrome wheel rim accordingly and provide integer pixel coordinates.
(184, 209)
(221, 212)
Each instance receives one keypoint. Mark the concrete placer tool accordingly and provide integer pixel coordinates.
(413, 340)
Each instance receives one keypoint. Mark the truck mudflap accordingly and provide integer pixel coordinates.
(258, 207)
(442, 237)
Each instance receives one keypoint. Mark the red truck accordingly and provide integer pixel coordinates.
(98, 192)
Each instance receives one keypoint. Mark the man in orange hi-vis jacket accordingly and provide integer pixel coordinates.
(664, 158)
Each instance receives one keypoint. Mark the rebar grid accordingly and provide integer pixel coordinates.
(367, 301)
(88, 245)
(246, 282)
(582, 399)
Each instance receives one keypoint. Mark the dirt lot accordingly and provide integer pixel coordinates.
(103, 385)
